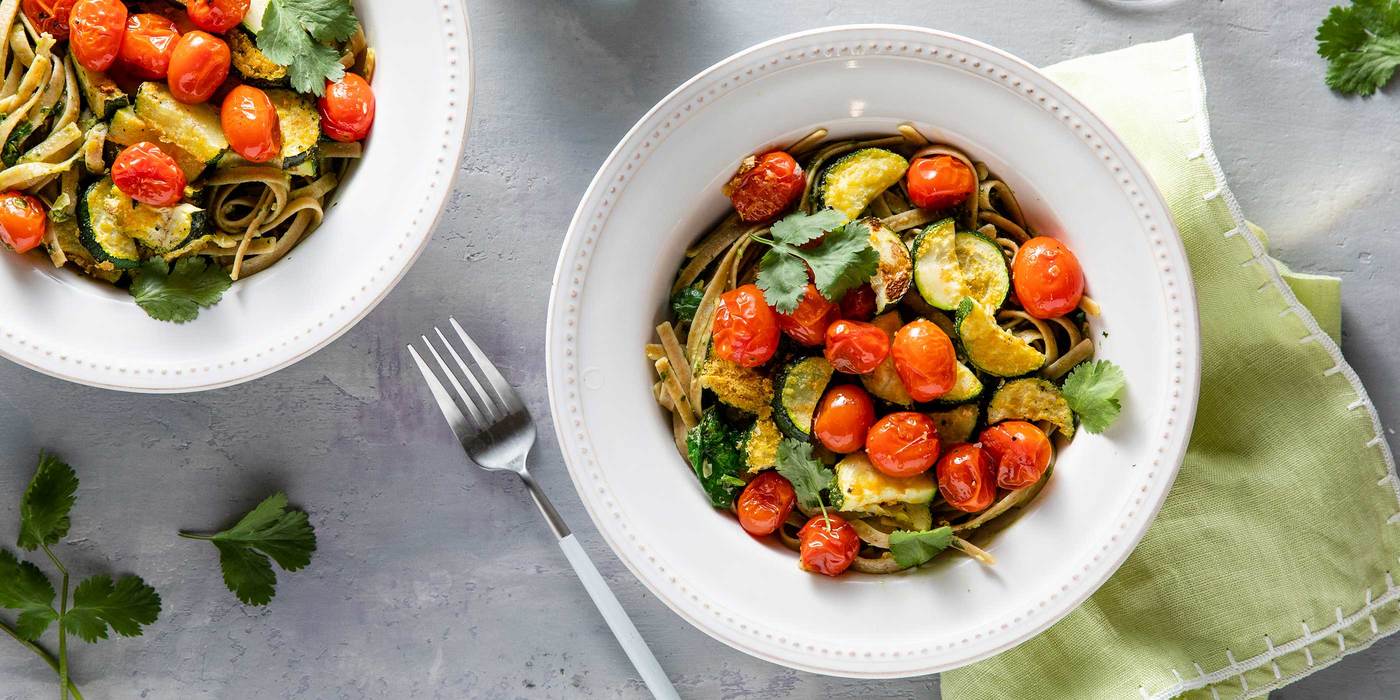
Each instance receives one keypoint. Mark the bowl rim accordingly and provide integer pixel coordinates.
(1173, 448)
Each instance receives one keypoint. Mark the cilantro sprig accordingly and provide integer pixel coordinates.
(99, 605)
(915, 548)
(808, 476)
(177, 293)
(1361, 43)
(298, 33)
(270, 530)
(1092, 391)
(838, 253)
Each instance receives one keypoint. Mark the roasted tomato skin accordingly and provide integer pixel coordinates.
(844, 417)
(23, 221)
(855, 347)
(217, 16)
(1048, 279)
(251, 125)
(859, 303)
(1020, 451)
(745, 327)
(149, 175)
(925, 359)
(147, 44)
(767, 189)
(347, 109)
(765, 503)
(827, 545)
(903, 444)
(198, 67)
(966, 479)
(95, 32)
(939, 182)
(807, 323)
(49, 16)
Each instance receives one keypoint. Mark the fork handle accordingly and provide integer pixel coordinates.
(617, 620)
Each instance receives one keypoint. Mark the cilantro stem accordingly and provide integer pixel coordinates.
(63, 681)
(193, 536)
(39, 651)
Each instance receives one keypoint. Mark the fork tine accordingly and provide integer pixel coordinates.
(489, 406)
(480, 422)
(455, 419)
(493, 375)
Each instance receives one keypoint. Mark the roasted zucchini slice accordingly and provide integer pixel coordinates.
(164, 229)
(251, 63)
(100, 227)
(896, 269)
(860, 487)
(300, 122)
(761, 445)
(965, 388)
(937, 273)
(991, 348)
(956, 424)
(104, 97)
(1031, 399)
(796, 392)
(984, 274)
(884, 383)
(194, 128)
(854, 180)
(252, 19)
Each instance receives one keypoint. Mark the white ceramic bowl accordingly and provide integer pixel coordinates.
(60, 323)
(661, 188)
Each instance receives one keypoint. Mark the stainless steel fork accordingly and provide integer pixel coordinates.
(497, 432)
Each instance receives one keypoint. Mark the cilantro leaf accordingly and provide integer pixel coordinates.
(807, 476)
(99, 604)
(685, 302)
(783, 278)
(842, 259)
(1092, 390)
(1362, 45)
(24, 587)
(294, 33)
(799, 228)
(177, 294)
(45, 505)
(915, 548)
(269, 530)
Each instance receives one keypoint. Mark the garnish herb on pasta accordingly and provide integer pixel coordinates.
(867, 357)
(135, 135)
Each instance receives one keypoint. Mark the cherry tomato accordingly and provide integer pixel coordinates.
(925, 360)
(250, 124)
(768, 188)
(745, 328)
(903, 444)
(49, 16)
(1020, 451)
(843, 419)
(1048, 279)
(856, 347)
(147, 174)
(96, 28)
(347, 109)
(198, 66)
(217, 16)
(807, 323)
(765, 503)
(22, 221)
(939, 182)
(859, 303)
(147, 44)
(965, 478)
(828, 545)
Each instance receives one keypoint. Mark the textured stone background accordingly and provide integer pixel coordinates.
(435, 580)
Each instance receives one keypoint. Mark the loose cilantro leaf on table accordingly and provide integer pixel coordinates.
(714, 452)
(177, 294)
(1361, 43)
(915, 548)
(45, 505)
(269, 530)
(1092, 391)
(842, 259)
(808, 476)
(296, 34)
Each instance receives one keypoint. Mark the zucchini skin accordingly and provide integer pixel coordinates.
(794, 407)
(88, 235)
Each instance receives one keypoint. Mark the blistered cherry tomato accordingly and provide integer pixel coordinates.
(765, 503)
(147, 174)
(95, 29)
(966, 479)
(843, 418)
(767, 189)
(347, 109)
(1020, 451)
(903, 444)
(22, 221)
(1048, 279)
(807, 323)
(745, 327)
(859, 303)
(198, 66)
(146, 46)
(939, 182)
(855, 347)
(925, 360)
(49, 16)
(828, 545)
(250, 124)
(216, 16)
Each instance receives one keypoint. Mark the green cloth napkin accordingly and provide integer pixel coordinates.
(1272, 556)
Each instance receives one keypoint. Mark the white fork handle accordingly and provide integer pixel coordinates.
(617, 619)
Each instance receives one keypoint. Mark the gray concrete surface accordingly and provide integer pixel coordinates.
(434, 580)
